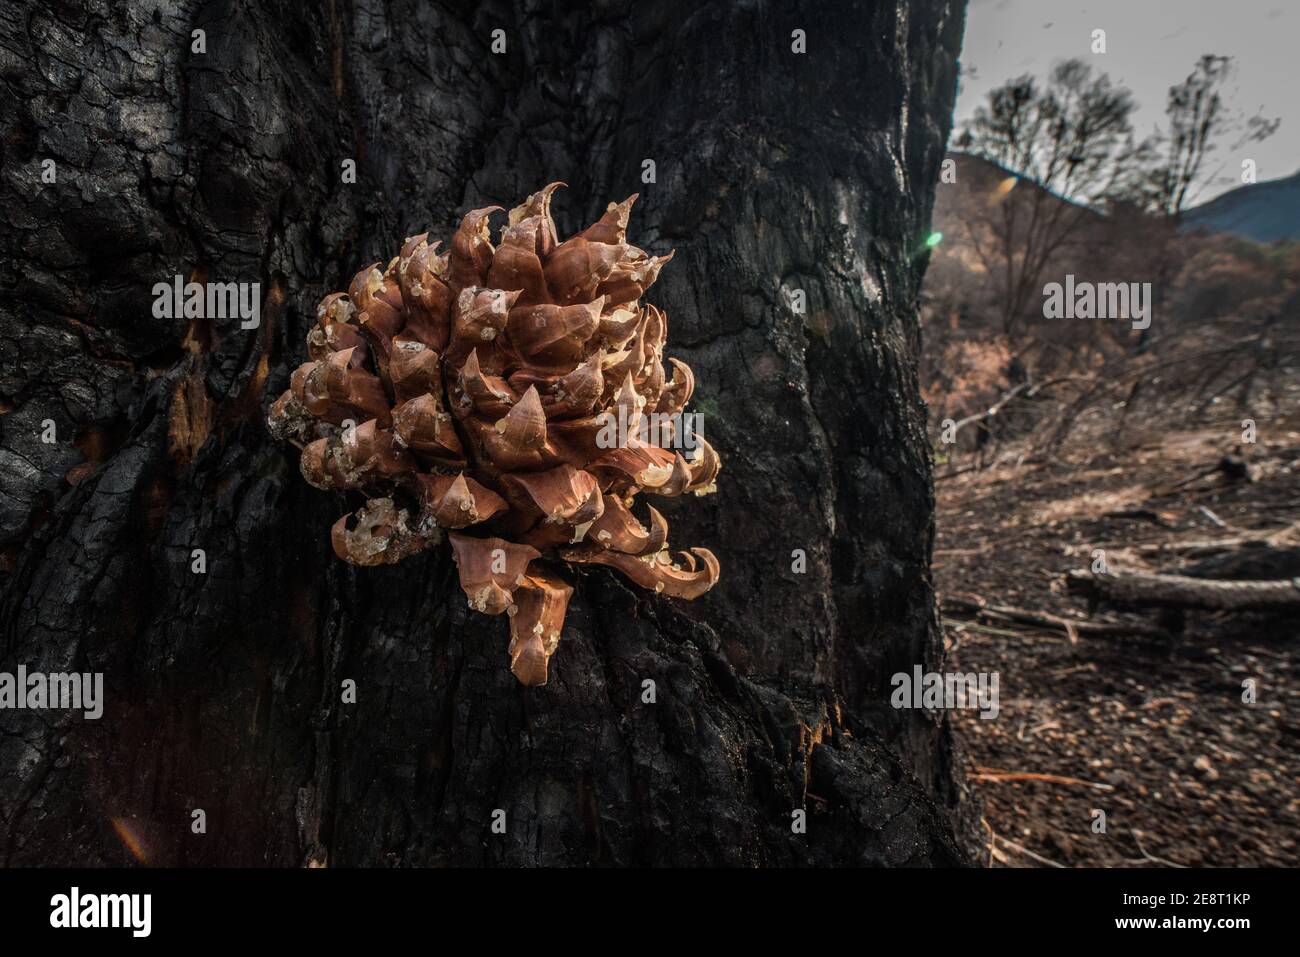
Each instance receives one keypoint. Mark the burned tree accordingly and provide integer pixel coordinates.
(1071, 136)
(316, 712)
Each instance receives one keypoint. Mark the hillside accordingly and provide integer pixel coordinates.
(1264, 212)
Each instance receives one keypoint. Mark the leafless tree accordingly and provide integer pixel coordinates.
(1175, 172)
(1072, 136)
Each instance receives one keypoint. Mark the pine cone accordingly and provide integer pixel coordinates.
(515, 396)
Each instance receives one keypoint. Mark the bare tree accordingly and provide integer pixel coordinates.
(1173, 165)
(1073, 137)
(1175, 172)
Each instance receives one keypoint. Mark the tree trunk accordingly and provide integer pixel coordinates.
(775, 171)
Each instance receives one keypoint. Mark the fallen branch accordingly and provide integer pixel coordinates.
(1007, 614)
(1149, 857)
(1020, 848)
(1024, 390)
(1180, 591)
(992, 774)
(985, 629)
(1001, 858)
(1274, 539)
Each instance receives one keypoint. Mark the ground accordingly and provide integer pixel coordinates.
(1150, 728)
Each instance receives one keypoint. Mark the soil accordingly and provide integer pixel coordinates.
(1150, 729)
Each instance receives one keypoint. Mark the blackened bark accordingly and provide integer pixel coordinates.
(775, 172)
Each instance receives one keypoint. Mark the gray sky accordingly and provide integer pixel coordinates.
(1150, 45)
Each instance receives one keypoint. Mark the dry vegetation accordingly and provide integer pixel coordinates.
(1145, 722)
(1104, 438)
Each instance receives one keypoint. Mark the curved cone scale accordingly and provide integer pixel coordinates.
(298, 380)
(490, 396)
(704, 468)
(426, 295)
(471, 249)
(565, 396)
(650, 383)
(563, 495)
(628, 404)
(535, 625)
(336, 329)
(413, 369)
(490, 569)
(500, 454)
(334, 309)
(316, 466)
(365, 286)
(618, 327)
(677, 393)
(523, 428)
(553, 337)
(539, 205)
(642, 465)
(659, 573)
(577, 267)
(409, 247)
(424, 428)
(516, 395)
(479, 317)
(381, 313)
(378, 534)
(346, 390)
(370, 449)
(629, 361)
(612, 227)
(517, 264)
(630, 278)
(458, 502)
(579, 441)
(578, 392)
(677, 482)
(618, 530)
(355, 458)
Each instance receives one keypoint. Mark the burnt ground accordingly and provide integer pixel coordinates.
(1151, 729)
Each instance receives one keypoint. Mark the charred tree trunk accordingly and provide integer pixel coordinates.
(775, 171)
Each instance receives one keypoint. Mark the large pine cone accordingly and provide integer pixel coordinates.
(516, 392)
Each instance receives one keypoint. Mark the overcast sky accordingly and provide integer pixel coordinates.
(1150, 45)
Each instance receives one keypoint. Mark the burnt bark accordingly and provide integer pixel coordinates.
(775, 171)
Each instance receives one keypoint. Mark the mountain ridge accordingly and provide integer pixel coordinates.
(1264, 212)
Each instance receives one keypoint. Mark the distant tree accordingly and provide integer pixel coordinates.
(1073, 136)
(1172, 167)
(1174, 170)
